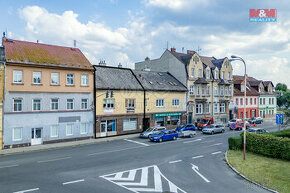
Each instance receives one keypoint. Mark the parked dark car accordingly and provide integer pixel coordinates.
(256, 120)
(257, 130)
(164, 135)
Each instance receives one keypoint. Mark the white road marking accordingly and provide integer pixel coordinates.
(195, 168)
(134, 184)
(192, 141)
(215, 144)
(52, 160)
(30, 190)
(199, 156)
(10, 166)
(140, 143)
(112, 151)
(216, 152)
(172, 162)
(72, 182)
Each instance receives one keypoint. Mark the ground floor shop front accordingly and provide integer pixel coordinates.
(250, 112)
(267, 112)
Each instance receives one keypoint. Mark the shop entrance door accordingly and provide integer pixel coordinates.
(103, 129)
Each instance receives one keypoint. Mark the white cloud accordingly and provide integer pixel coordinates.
(176, 5)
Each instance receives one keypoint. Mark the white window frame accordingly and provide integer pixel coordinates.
(200, 73)
(229, 75)
(192, 72)
(207, 108)
(86, 128)
(216, 74)
(109, 103)
(33, 104)
(222, 107)
(54, 102)
(175, 102)
(191, 90)
(66, 129)
(216, 91)
(230, 91)
(54, 75)
(198, 91)
(67, 104)
(36, 74)
(207, 74)
(203, 90)
(130, 103)
(70, 78)
(208, 90)
(13, 134)
(16, 76)
(216, 108)
(226, 91)
(87, 104)
(199, 108)
(222, 90)
(21, 103)
(56, 129)
(85, 81)
(160, 103)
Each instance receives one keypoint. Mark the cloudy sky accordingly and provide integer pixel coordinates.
(126, 31)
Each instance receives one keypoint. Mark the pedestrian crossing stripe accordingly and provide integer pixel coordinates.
(131, 183)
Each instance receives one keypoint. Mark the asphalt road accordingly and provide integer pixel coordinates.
(135, 165)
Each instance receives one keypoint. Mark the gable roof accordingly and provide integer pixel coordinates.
(218, 62)
(158, 81)
(208, 61)
(115, 78)
(23, 52)
(250, 92)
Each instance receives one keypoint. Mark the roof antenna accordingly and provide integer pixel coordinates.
(75, 43)
(198, 50)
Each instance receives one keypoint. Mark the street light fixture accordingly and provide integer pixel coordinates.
(245, 94)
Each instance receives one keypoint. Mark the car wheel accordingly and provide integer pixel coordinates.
(190, 135)
(174, 138)
(160, 139)
(212, 132)
(223, 130)
(149, 136)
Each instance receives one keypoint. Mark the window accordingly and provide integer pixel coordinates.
(264, 101)
(130, 103)
(191, 90)
(197, 92)
(84, 128)
(192, 72)
(246, 101)
(36, 104)
(261, 101)
(17, 76)
(223, 74)
(85, 80)
(203, 90)
(175, 102)
(160, 103)
(17, 134)
(17, 105)
(226, 91)
(230, 91)
(207, 74)
(216, 74)
(54, 104)
(54, 131)
(36, 77)
(241, 101)
(222, 107)
(207, 109)
(272, 101)
(109, 103)
(251, 101)
(207, 90)
(69, 104)
(229, 75)
(242, 87)
(85, 103)
(222, 91)
(255, 101)
(199, 108)
(55, 78)
(237, 101)
(69, 129)
(216, 91)
(200, 73)
(70, 79)
(216, 108)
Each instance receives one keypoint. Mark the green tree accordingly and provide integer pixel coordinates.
(281, 86)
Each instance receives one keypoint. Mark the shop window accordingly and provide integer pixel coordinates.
(174, 120)
(111, 126)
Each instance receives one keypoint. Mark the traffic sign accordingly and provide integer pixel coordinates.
(279, 119)
(233, 126)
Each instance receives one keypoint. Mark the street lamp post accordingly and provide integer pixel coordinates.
(245, 94)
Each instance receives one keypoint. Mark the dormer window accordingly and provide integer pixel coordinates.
(216, 74)
(223, 75)
(207, 74)
(192, 72)
(200, 73)
(243, 88)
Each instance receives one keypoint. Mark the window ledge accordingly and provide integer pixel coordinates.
(84, 85)
(54, 84)
(14, 83)
(34, 84)
(70, 85)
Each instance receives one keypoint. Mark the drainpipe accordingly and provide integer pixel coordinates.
(2, 145)
(94, 104)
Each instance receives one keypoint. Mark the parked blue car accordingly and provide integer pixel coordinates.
(164, 135)
(186, 130)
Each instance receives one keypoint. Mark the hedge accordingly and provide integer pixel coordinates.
(283, 133)
(235, 143)
(268, 145)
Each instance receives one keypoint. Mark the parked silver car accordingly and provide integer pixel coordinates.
(214, 128)
(150, 131)
(233, 121)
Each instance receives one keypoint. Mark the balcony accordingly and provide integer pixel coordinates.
(130, 110)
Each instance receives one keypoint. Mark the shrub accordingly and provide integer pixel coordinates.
(235, 143)
(268, 145)
(283, 133)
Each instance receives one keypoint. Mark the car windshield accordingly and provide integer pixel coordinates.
(150, 129)
(252, 130)
(181, 125)
(212, 126)
(159, 133)
(204, 121)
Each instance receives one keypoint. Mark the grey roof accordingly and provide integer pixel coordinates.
(161, 81)
(208, 61)
(218, 62)
(223, 82)
(115, 78)
(184, 58)
(201, 81)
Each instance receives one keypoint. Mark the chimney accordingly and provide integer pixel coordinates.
(102, 63)
(190, 52)
(120, 65)
(173, 49)
(147, 58)
(36, 41)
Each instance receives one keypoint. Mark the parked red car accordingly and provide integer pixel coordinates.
(206, 121)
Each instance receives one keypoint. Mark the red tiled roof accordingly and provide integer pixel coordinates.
(43, 54)
(250, 92)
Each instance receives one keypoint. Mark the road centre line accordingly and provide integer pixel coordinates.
(140, 143)
(51, 160)
(199, 156)
(216, 152)
(176, 161)
(72, 182)
(9, 166)
(215, 144)
(192, 141)
(30, 190)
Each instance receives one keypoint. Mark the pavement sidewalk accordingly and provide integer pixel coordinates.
(64, 144)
